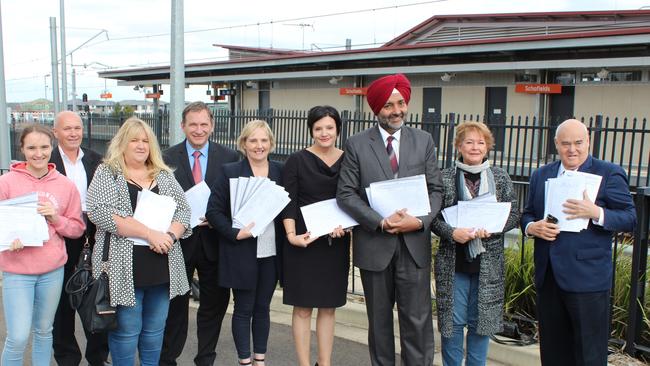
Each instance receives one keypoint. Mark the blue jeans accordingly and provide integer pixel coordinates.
(140, 327)
(253, 306)
(30, 302)
(465, 315)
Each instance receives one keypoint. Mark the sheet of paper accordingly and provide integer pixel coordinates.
(22, 223)
(26, 200)
(558, 190)
(238, 194)
(154, 211)
(592, 182)
(491, 216)
(450, 214)
(233, 188)
(197, 197)
(322, 217)
(262, 207)
(391, 195)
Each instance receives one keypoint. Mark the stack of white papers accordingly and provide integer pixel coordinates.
(19, 220)
(392, 195)
(482, 212)
(255, 199)
(322, 217)
(571, 185)
(197, 197)
(154, 211)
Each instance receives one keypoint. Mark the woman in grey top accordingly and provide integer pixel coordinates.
(142, 278)
(469, 268)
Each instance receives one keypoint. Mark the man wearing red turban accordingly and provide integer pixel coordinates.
(393, 253)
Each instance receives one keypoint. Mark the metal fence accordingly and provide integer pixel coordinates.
(522, 144)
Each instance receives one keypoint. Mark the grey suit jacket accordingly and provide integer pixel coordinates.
(365, 162)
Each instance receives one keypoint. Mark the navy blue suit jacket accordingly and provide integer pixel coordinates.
(582, 262)
(238, 258)
(177, 157)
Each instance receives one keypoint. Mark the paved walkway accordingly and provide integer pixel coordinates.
(350, 343)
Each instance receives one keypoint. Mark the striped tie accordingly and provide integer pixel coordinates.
(392, 156)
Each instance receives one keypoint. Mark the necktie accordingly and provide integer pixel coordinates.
(392, 156)
(196, 169)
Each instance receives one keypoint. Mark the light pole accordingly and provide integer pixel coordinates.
(74, 76)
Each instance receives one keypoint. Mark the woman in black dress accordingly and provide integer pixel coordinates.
(315, 269)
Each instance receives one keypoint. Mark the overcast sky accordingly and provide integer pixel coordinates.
(137, 32)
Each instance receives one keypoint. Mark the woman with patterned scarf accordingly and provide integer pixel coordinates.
(469, 268)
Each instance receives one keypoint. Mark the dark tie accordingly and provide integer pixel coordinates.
(196, 169)
(392, 156)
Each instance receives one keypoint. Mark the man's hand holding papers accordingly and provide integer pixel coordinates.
(581, 209)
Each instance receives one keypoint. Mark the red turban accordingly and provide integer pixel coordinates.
(380, 90)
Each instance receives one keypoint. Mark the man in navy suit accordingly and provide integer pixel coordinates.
(78, 164)
(573, 270)
(194, 160)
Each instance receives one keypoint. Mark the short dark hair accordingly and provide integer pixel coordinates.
(197, 107)
(320, 111)
(34, 127)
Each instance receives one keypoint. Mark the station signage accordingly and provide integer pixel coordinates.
(353, 91)
(152, 95)
(106, 95)
(539, 88)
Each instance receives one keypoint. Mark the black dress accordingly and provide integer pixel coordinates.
(315, 276)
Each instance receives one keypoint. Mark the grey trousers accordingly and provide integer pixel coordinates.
(402, 282)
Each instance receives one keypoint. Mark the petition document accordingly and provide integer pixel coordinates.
(154, 211)
(197, 197)
(322, 217)
(19, 220)
(411, 193)
(558, 190)
(255, 199)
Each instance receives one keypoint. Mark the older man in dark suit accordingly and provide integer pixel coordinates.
(393, 253)
(197, 159)
(573, 270)
(78, 164)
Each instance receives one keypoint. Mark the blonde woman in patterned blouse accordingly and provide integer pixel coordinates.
(142, 278)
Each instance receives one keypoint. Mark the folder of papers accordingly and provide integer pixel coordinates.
(482, 212)
(255, 199)
(392, 195)
(19, 220)
(570, 185)
(322, 217)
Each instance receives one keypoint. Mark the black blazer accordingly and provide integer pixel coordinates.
(177, 158)
(238, 258)
(90, 160)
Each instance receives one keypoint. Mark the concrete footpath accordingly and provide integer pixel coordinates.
(350, 343)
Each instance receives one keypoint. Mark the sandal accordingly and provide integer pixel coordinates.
(258, 360)
(249, 362)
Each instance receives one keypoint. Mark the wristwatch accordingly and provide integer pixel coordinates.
(173, 236)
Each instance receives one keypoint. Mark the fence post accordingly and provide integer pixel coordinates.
(345, 117)
(598, 128)
(639, 265)
(450, 140)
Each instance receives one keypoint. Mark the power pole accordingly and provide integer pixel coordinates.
(177, 74)
(64, 73)
(5, 145)
(55, 67)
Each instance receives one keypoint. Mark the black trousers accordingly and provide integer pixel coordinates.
(573, 326)
(402, 282)
(212, 308)
(66, 349)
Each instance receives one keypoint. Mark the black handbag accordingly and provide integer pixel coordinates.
(91, 296)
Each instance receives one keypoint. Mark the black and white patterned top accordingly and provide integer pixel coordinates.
(108, 195)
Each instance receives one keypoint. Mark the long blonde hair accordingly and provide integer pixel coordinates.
(115, 153)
